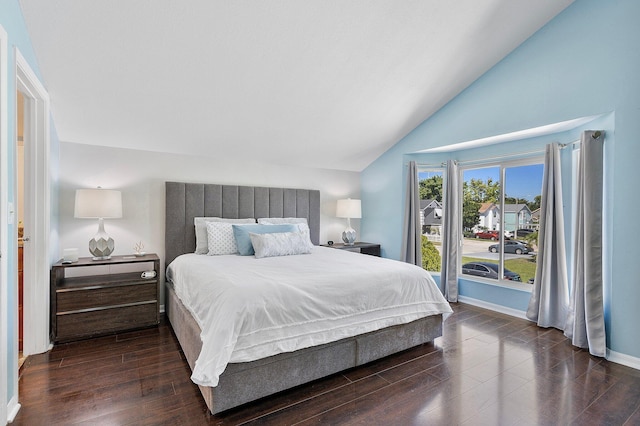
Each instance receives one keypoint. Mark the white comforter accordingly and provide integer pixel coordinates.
(250, 308)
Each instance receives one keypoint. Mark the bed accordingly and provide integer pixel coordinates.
(240, 378)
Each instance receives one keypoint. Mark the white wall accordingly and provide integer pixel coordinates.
(140, 175)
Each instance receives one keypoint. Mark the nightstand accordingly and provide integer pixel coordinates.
(88, 305)
(359, 247)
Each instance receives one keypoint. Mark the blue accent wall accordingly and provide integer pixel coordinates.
(585, 62)
(12, 21)
(508, 297)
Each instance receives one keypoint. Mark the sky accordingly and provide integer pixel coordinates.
(521, 181)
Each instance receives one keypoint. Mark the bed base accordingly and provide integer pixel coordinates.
(245, 382)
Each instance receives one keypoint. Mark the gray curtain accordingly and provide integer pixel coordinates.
(585, 321)
(451, 234)
(411, 235)
(550, 294)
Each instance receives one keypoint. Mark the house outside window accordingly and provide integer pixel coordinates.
(431, 219)
(489, 217)
(517, 216)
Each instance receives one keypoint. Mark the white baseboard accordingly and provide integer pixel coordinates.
(618, 358)
(162, 309)
(12, 409)
(493, 307)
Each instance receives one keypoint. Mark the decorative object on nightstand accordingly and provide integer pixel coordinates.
(138, 249)
(350, 209)
(70, 255)
(99, 204)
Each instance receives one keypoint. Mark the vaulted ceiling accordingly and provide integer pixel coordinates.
(329, 84)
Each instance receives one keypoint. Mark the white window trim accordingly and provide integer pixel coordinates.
(502, 163)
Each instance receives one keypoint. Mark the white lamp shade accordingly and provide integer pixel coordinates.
(98, 203)
(349, 208)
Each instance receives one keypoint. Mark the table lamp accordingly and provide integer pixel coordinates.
(351, 209)
(99, 204)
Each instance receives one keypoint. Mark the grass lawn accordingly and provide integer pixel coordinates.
(526, 268)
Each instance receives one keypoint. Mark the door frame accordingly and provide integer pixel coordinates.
(37, 256)
(4, 179)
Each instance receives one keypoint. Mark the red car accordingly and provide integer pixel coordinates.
(488, 235)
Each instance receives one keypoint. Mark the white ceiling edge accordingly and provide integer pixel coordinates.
(548, 129)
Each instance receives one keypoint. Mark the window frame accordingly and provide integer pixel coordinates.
(503, 163)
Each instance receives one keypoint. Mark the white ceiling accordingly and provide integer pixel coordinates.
(329, 84)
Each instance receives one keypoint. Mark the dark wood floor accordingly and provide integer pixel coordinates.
(488, 369)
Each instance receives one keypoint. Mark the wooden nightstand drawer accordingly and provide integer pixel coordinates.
(86, 297)
(100, 321)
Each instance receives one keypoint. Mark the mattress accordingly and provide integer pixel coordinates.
(250, 308)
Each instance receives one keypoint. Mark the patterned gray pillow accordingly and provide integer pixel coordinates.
(202, 238)
(280, 244)
(300, 222)
(220, 239)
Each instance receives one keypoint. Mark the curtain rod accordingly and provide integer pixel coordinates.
(595, 135)
(483, 160)
(515, 156)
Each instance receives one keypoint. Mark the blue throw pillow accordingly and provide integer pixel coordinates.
(243, 241)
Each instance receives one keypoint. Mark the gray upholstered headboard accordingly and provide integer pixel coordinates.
(184, 201)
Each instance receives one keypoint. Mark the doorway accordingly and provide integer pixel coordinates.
(36, 209)
(6, 378)
(20, 180)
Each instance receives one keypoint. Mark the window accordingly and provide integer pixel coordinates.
(500, 212)
(431, 190)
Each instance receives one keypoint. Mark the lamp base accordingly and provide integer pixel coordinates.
(349, 236)
(102, 245)
(101, 258)
(101, 248)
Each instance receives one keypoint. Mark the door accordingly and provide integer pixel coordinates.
(36, 210)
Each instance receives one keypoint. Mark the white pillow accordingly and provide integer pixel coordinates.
(301, 222)
(201, 230)
(279, 244)
(220, 239)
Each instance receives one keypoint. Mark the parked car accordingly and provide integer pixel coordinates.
(517, 247)
(524, 232)
(488, 235)
(488, 270)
